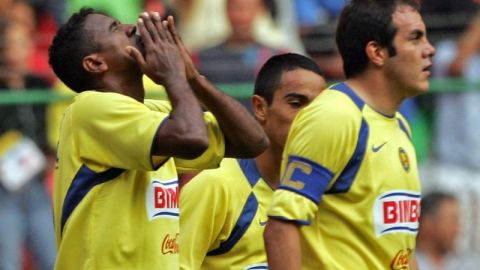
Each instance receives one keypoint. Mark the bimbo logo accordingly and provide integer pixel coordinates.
(170, 244)
(162, 199)
(397, 211)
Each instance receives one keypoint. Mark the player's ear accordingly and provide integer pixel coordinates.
(259, 106)
(376, 53)
(94, 63)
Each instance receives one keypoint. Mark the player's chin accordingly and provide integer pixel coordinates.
(422, 87)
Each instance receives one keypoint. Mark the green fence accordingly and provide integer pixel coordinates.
(421, 124)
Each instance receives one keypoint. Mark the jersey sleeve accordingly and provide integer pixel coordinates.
(117, 131)
(212, 157)
(203, 213)
(320, 144)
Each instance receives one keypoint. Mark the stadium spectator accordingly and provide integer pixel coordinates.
(224, 209)
(438, 231)
(25, 206)
(115, 195)
(349, 164)
(204, 23)
(454, 164)
(456, 122)
(239, 58)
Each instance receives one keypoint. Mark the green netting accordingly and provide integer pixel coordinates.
(234, 90)
(420, 126)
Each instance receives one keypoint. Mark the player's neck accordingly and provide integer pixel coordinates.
(268, 164)
(129, 87)
(376, 93)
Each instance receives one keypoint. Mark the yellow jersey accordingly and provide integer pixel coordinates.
(349, 177)
(116, 204)
(224, 213)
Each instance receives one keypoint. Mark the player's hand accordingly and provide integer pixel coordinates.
(162, 59)
(190, 69)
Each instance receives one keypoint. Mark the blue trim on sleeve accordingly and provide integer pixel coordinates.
(153, 143)
(82, 183)
(296, 221)
(344, 88)
(314, 182)
(244, 221)
(404, 128)
(345, 180)
(250, 170)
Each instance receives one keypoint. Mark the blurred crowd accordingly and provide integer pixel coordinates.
(229, 41)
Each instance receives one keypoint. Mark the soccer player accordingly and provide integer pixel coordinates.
(349, 194)
(116, 188)
(223, 211)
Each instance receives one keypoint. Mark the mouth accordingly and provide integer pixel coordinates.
(428, 69)
(139, 42)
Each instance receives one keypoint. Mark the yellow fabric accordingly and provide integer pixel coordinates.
(211, 206)
(120, 212)
(361, 227)
(55, 109)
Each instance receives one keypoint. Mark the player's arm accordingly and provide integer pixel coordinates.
(243, 135)
(282, 243)
(183, 134)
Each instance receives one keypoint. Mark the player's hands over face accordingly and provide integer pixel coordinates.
(190, 68)
(162, 59)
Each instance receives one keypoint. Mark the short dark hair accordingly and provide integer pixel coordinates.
(70, 45)
(270, 75)
(362, 21)
(431, 202)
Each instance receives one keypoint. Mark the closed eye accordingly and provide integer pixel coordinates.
(114, 26)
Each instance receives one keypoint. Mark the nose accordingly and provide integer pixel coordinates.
(429, 50)
(130, 29)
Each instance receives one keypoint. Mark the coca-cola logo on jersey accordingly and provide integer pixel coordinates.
(170, 244)
(401, 261)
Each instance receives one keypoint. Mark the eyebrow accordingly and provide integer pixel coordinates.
(295, 95)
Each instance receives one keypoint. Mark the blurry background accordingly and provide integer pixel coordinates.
(229, 41)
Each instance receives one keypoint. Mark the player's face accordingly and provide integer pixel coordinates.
(409, 69)
(299, 87)
(113, 37)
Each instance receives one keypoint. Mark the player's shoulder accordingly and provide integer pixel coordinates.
(227, 178)
(97, 101)
(228, 171)
(90, 105)
(331, 108)
(158, 105)
(337, 101)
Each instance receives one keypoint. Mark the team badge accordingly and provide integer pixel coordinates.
(402, 154)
